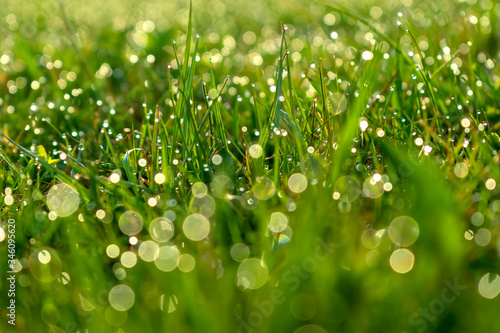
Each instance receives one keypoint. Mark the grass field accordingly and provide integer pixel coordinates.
(286, 166)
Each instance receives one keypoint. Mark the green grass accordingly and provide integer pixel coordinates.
(289, 107)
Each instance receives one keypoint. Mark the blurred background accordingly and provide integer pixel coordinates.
(94, 65)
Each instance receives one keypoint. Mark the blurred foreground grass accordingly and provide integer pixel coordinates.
(285, 166)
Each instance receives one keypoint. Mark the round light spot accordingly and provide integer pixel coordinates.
(491, 184)
(161, 229)
(255, 151)
(348, 188)
(489, 285)
(477, 219)
(217, 159)
(297, 183)
(278, 222)
(104, 216)
(461, 170)
(367, 55)
(113, 251)
(252, 273)
(363, 125)
(264, 188)
(160, 178)
(212, 93)
(204, 206)
(402, 261)
(199, 190)
(240, 252)
(152, 202)
(186, 263)
(130, 223)
(371, 238)
(373, 189)
(403, 231)
(167, 259)
(329, 19)
(483, 237)
(120, 273)
(285, 236)
(148, 251)
(100, 214)
(465, 122)
(469, 235)
(128, 259)
(142, 162)
(121, 297)
(45, 264)
(63, 199)
(8, 200)
(114, 178)
(376, 12)
(196, 227)
(44, 257)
